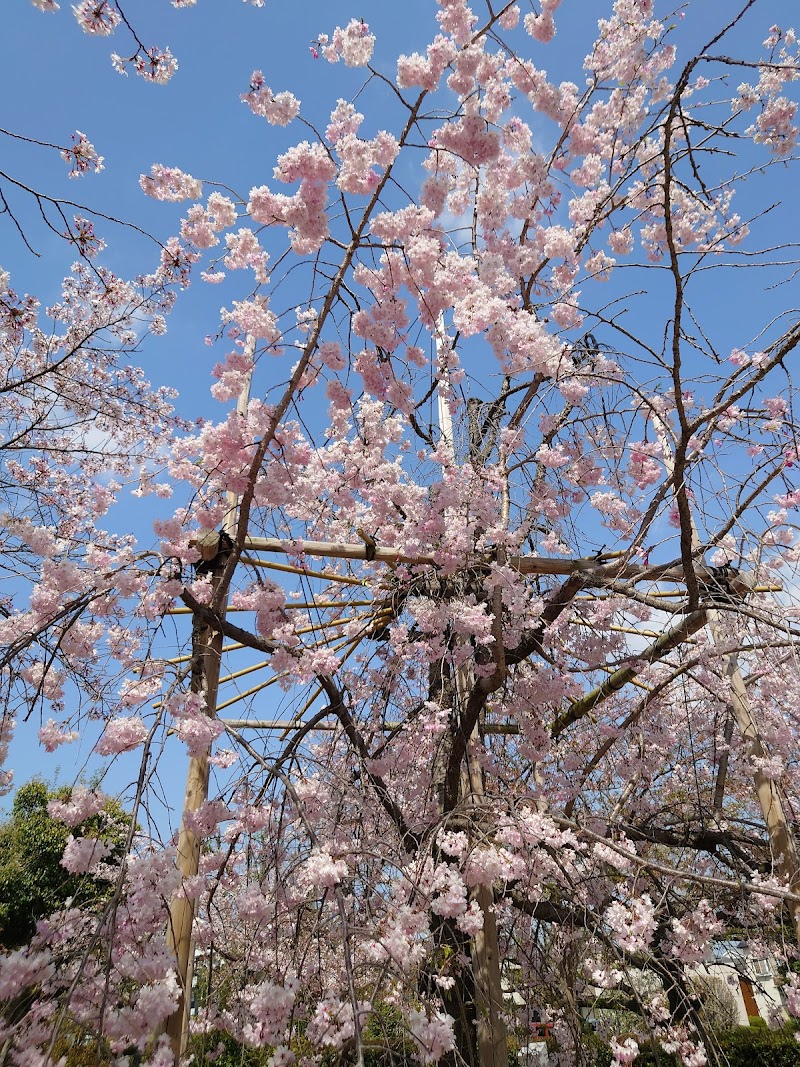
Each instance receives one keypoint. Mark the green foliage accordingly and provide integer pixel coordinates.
(758, 1046)
(743, 1046)
(386, 1039)
(33, 884)
(233, 1054)
(80, 1048)
(596, 1051)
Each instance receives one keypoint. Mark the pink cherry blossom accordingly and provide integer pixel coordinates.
(624, 1051)
(433, 1034)
(354, 44)
(121, 735)
(278, 109)
(96, 16)
(500, 633)
(82, 156)
(83, 854)
(52, 735)
(170, 183)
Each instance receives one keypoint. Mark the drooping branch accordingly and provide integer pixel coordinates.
(673, 637)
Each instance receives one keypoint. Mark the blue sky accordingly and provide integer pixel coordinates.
(55, 79)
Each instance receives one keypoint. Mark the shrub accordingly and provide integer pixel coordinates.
(758, 1046)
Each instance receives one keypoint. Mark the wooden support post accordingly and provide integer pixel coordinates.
(207, 651)
(206, 662)
(768, 791)
(489, 1024)
(490, 1029)
(491, 1037)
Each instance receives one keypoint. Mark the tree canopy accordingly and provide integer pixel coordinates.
(471, 601)
(34, 882)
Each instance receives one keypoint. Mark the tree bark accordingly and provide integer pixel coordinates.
(490, 1028)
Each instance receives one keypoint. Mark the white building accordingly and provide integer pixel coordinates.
(751, 978)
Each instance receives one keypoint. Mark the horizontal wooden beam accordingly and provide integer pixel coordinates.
(603, 567)
(292, 724)
(304, 572)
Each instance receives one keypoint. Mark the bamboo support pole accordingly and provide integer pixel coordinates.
(369, 553)
(768, 790)
(188, 611)
(207, 646)
(185, 659)
(250, 692)
(297, 720)
(293, 724)
(332, 623)
(304, 572)
(633, 631)
(275, 678)
(603, 568)
(244, 672)
(272, 724)
(318, 605)
(523, 564)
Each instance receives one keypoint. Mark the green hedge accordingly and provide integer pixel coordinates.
(758, 1046)
(744, 1046)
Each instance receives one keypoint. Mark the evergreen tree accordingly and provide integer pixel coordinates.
(33, 881)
